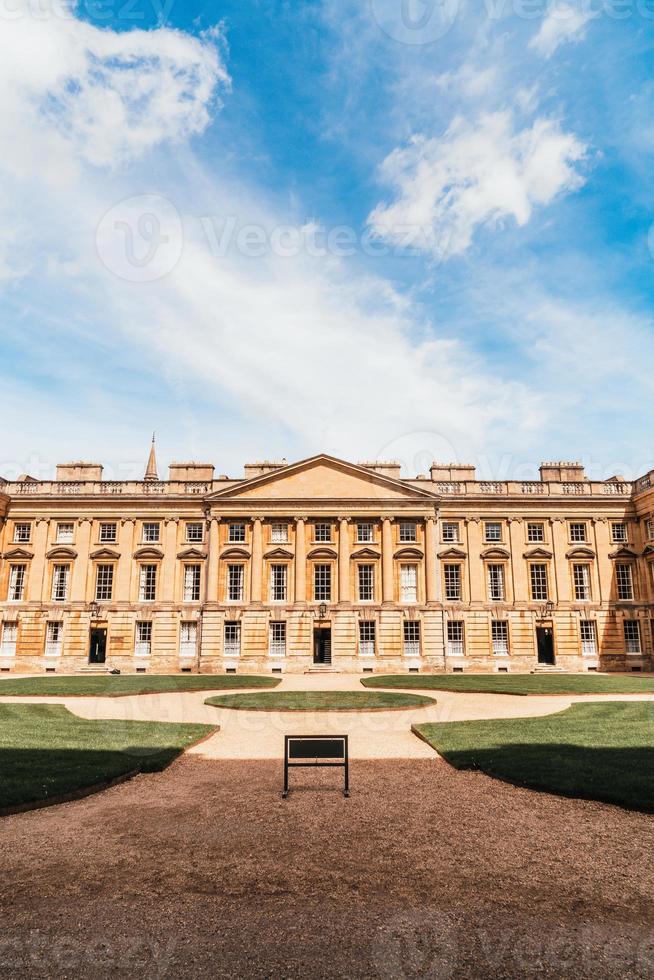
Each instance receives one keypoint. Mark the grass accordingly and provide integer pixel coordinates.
(120, 685)
(320, 701)
(47, 752)
(517, 683)
(591, 751)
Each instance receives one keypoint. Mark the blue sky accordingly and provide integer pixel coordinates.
(396, 228)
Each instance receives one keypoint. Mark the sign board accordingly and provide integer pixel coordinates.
(311, 751)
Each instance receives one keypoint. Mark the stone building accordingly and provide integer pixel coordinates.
(323, 562)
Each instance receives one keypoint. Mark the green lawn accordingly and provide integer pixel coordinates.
(593, 751)
(119, 685)
(45, 751)
(320, 701)
(517, 683)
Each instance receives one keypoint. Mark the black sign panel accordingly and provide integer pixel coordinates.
(316, 748)
(308, 751)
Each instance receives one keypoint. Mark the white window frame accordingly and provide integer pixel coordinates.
(17, 582)
(496, 581)
(408, 532)
(65, 536)
(494, 536)
(451, 532)
(9, 640)
(322, 582)
(619, 532)
(54, 638)
(452, 579)
(192, 582)
(277, 638)
(104, 582)
(148, 582)
(581, 582)
(188, 638)
(367, 638)
(500, 637)
(60, 582)
(535, 532)
(143, 638)
(409, 582)
(232, 638)
(366, 583)
(365, 532)
(108, 532)
(322, 532)
(578, 532)
(649, 529)
(279, 532)
(278, 583)
(151, 532)
(22, 532)
(236, 532)
(624, 581)
(411, 637)
(455, 638)
(192, 536)
(632, 637)
(588, 637)
(235, 582)
(539, 586)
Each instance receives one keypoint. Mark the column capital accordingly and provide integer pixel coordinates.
(171, 520)
(255, 518)
(514, 520)
(342, 519)
(82, 520)
(42, 520)
(302, 518)
(430, 519)
(127, 520)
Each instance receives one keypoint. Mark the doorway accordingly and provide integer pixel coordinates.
(545, 645)
(98, 645)
(322, 645)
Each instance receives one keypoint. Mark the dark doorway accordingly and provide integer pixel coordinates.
(322, 645)
(98, 645)
(545, 642)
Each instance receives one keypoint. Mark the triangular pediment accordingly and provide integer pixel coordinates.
(322, 478)
(18, 553)
(623, 553)
(537, 553)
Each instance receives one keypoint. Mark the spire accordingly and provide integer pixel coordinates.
(151, 469)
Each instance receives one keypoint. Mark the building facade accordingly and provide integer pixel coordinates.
(326, 564)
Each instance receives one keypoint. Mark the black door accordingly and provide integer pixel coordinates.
(98, 646)
(322, 646)
(545, 641)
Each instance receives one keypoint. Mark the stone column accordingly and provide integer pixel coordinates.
(213, 527)
(300, 561)
(256, 569)
(82, 571)
(387, 562)
(343, 562)
(431, 578)
(37, 573)
(169, 562)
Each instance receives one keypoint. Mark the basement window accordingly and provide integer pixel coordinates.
(186, 670)
(140, 670)
(414, 670)
(636, 670)
(230, 670)
(277, 670)
(592, 669)
(502, 670)
(457, 670)
(368, 670)
(50, 670)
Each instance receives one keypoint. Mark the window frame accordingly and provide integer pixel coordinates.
(20, 570)
(278, 582)
(369, 570)
(145, 535)
(456, 525)
(538, 539)
(412, 587)
(367, 644)
(60, 570)
(629, 648)
(572, 534)
(318, 537)
(188, 648)
(107, 585)
(489, 539)
(623, 536)
(411, 646)
(453, 575)
(534, 568)
(277, 644)
(491, 568)
(143, 645)
(500, 645)
(9, 645)
(407, 532)
(67, 539)
(455, 645)
(235, 574)
(229, 648)
(194, 571)
(236, 532)
(54, 648)
(586, 651)
(620, 569)
(279, 532)
(370, 538)
(325, 587)
(17, 535)
(189, 538)
(111, 538)
(148, 581)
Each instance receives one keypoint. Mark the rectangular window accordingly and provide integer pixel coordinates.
(108, 532)
(588, 629)
(649, 530)
(322, 532)
(194, 532)
(365, 533)
(104, 582)
(17, 582)
(408, 531)
(535, 532)
(232, 639)
(143, 639)
(492, 531)
(452, 582)
(279, 533)
(618, 532)
(455, 638)
(9, 639)
(366, 583)
(366, 638)
(450, 531)
(500, 637)
(581, 578)
(277, 640)
(60, 576)
(631, 636)
(22, 533)
(322, 583)
(192, 577)
(578, 531)
(151, 532)
(411, 638)
(235, 578)
(496, 591)
(278, 575)
(65, 532)
(624, 581)
(54, 634)
(237, 532)
(188, 638)
(538, 578)
(148, 583)
(409, 583)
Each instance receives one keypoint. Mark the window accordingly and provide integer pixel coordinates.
(278, 583)
(649, 530)
(60, 576)
(65, 532)
(588, 629)
(455, 638)
(192, 576)
(366, 638)
(22, 533)
(624, 581)
(409, 583)
(322, 532)
(450, 531)
(104, 582)
(143, 639)
(578, 531)
(54, 634)
(496, 592)
(235, 583)
(618, 532)
(237, 533)
(411, 638)
(195, 532)
(232, 639)
(9, 639)
(538, 578)
(366, 583)
(108, 532)
(631, 636)
(581, 579)
(452, 582)
(322, 583)
(535, 532)
(277, 640)
(365, 534)
(188, 637)
(279, 533)
(492, 531)
(500, 637)
(151, 532)
(408, 531)
(148, 583)
(17, 583)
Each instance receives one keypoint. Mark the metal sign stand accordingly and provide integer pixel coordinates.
(325, 751)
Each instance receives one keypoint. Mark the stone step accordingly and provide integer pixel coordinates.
(549, 669)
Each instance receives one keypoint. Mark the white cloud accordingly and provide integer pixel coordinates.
(474, 175)
(564, 23)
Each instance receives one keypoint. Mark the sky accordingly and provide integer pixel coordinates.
(381, 229)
